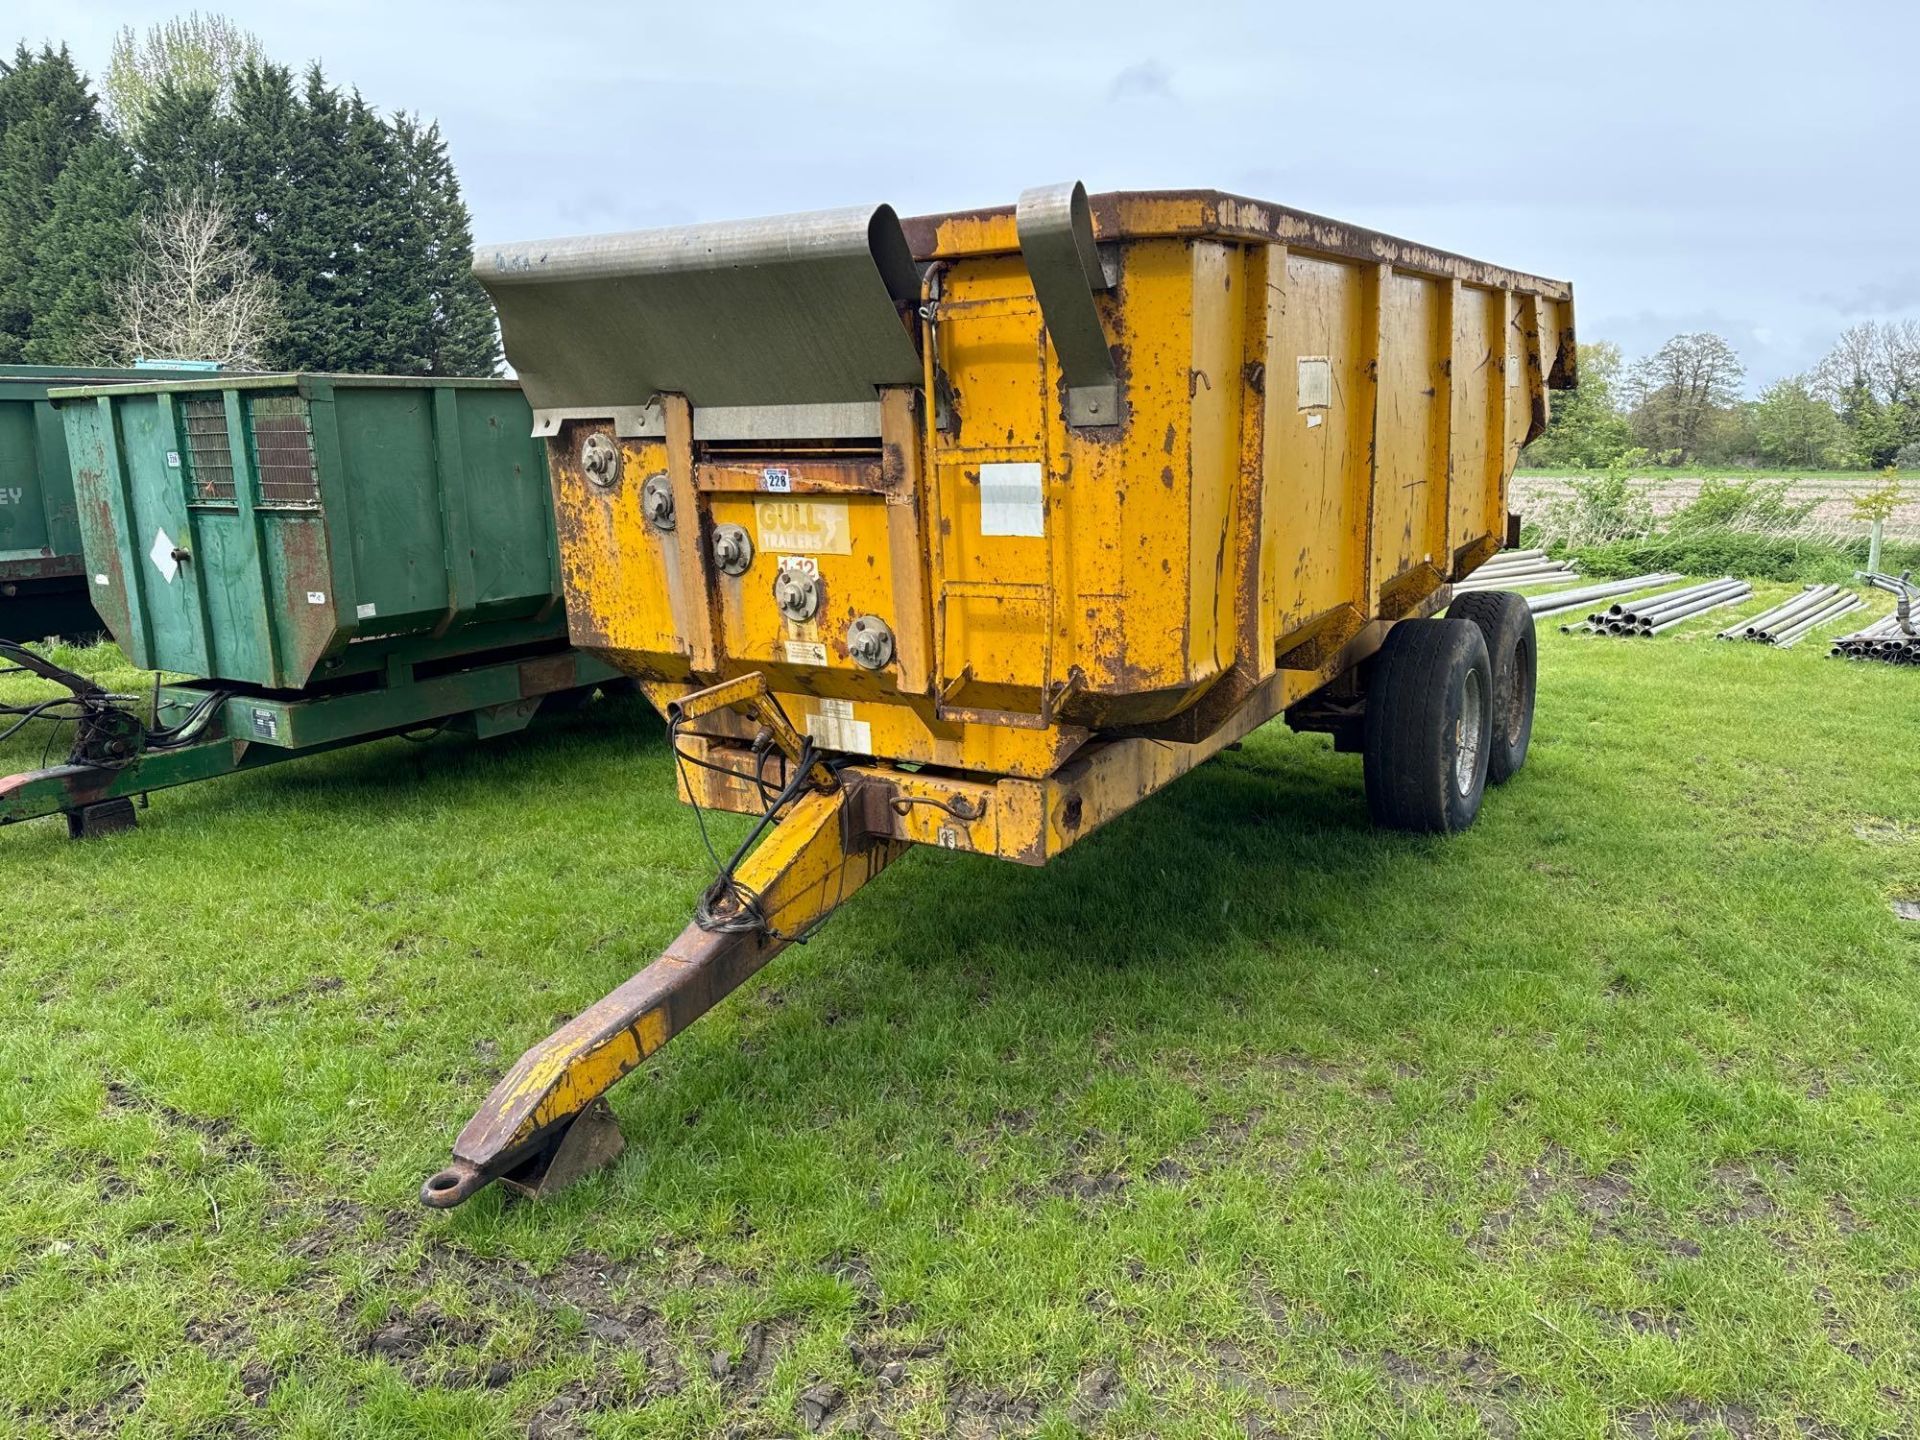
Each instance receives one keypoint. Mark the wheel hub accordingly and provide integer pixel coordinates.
(1470, 733)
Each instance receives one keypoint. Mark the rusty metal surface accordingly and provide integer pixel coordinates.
(798, 875)
(592, 1142)
(1142, 214)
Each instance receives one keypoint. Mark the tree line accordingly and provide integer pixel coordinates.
(209, 204)
(1683, 404)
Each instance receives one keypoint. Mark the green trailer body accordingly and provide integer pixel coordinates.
(332, 558)
(43, 587)
(256, 530)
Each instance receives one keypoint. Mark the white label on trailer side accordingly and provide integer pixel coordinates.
(161, 554)
(1314, 377)
(833, 726)
(1012, 498)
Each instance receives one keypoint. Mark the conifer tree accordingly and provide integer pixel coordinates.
(46, 114)
(462, 338)
(81, 252)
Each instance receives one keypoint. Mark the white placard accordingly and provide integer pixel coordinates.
(833, 726)
(1314, 374)
(161, 554)
(1012, 499)
(366, 611)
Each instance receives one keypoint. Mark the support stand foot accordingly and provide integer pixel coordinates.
(104, 817)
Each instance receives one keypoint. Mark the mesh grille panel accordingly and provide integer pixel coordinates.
(208, 452)
(283, 450)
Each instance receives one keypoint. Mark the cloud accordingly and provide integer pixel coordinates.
(1878, 297)
(1143, 80)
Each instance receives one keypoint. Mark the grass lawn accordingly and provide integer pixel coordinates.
(1241, 1119)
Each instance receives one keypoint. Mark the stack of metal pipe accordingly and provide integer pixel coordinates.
(1658, 613)
(1895, 639)
(1790, 622)
(1561, 601)
(1517, 570)
(1883, 640)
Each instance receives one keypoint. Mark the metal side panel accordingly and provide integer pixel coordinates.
(791, 310)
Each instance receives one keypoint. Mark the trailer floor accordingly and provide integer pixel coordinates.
(1239, 1120)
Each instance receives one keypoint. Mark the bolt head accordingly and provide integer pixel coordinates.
(600, 458)
(656, 501)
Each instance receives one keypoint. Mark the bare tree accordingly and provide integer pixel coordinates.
(1851, 369)
(1873, 361)
(193, 51)
(194, 292)
(1900, 361)
(1682, 387)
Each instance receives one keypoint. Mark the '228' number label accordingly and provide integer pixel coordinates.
(776, 480)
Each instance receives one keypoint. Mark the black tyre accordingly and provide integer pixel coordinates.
(1507, 626)
(1429, 704)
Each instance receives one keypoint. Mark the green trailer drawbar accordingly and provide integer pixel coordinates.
(333, 558)
(43, 586)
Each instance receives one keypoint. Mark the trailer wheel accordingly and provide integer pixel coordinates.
(1507, 626)
(1429, 713)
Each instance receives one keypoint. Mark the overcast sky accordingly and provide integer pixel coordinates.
(1746, 166)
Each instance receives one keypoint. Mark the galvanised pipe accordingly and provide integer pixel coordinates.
(1812, 598)
(1517, 582)
(1704, 609)
(1484, 577)
(1782, 613)
(1629, 615)
(1530, 567)
(1835, 605)
(1793, 634)
(1712, 588)
(1621, 607)
(1637, 609)
(1662, 605)
(1653, 622)
(1508, 557)
(1563, 600)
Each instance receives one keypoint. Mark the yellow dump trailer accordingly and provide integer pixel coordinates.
(975, 529)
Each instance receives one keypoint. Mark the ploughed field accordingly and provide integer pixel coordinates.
(1242, 1119)
(1831, 494)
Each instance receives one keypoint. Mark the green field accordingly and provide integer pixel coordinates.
(1242, 1119)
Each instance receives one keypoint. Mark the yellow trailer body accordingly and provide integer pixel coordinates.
(1009, 516)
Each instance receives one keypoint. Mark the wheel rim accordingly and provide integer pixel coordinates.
(1470, 733)
(1516, 715)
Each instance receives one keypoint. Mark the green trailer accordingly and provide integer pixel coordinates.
(333, 558)
(43, 587)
